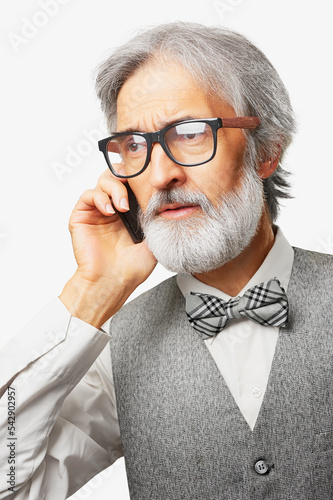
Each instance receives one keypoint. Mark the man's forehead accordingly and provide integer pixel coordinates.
(155, 77)
(153, 84)
(158, 112)
(161, 94)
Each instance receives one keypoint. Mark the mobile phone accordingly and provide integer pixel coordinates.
(130, 218)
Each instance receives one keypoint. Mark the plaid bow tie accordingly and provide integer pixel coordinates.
(266, 304)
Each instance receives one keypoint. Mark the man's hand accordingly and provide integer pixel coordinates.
(110, 265)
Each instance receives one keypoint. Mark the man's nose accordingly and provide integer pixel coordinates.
(163, 171)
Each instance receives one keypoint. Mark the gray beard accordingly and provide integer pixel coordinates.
(204, 242)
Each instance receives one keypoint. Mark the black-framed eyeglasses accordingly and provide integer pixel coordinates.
(188, 143)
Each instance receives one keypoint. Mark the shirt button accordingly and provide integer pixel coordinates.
(261, 467)
(256, 391)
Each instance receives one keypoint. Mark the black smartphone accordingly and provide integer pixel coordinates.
(130, 218)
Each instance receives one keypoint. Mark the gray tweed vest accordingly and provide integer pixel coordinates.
(183, 435)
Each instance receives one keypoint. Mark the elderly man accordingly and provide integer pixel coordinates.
(220, 384)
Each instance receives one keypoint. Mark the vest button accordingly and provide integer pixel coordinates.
(261, 467)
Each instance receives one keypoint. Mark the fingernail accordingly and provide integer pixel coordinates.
(109, 209)
(124, 203)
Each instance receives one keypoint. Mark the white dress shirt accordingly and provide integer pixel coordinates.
(244, 351)
(66, 425)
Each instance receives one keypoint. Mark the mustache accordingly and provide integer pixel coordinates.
(175, 195)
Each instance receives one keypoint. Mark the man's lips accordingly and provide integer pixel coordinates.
(177, 210)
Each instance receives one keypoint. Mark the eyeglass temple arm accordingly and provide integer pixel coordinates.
(250, 122)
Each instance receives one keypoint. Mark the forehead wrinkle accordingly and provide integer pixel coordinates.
(152, 119)
(148, 108)
(132, 98)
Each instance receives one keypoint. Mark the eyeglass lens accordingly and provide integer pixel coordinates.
(188, 143)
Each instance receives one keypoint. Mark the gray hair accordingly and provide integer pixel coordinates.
(226, 65)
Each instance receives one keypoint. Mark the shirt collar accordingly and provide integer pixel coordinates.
(278, 263)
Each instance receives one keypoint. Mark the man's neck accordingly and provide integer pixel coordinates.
(233, 276)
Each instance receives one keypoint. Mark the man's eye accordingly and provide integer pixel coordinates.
(191, 136)
(134, 147)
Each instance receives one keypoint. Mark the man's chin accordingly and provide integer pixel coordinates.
(180, 261)
(196, 249)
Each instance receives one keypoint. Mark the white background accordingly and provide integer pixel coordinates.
(48, 106)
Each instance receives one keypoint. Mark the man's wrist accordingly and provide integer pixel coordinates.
(91, 302)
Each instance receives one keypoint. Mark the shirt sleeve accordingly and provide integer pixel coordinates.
(58, 419)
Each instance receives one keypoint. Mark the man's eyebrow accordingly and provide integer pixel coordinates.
(164, 124)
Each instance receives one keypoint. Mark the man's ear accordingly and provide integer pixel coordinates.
(267, 167)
